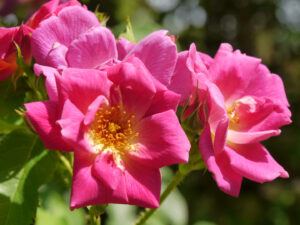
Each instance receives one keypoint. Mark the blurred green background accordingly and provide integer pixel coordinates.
(269, 29)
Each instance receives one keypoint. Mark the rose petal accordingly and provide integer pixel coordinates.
(43, 116)
(83, 86)
(92, 48)
(63, 29)
(106, 170)
(254, 162)
(226, 178)
(158, 52)
(72, 129)
(161, 141)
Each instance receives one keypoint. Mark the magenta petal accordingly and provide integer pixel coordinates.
(221, 136)
(226, 178)
(216, 107)
(83, 86)
(163, 101)
(265, 84)
(57, 56)
(207, 60)
(72, 128)
(254, 162)
(49, 73)
(63, 29)
(182, 80)
(142, 184)
(161, 141)
(7, 36)
(43, 13)
(258, 114)
(106, 170)
(93, 108)
(158, 52)
(135, 85)
(43, 116)
(232, 72)
(87, 189)
(124, 47)
(138, 185)
(194, 61)
(250, 137)
(92, 48)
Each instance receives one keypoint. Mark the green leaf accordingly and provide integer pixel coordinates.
(6, 127)
(15, 149)
(121, 214)
(204, 223)
(19, 185)
(57, 211)
(10, 99)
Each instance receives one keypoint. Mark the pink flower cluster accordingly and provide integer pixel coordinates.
(244, 103)
(113, 103)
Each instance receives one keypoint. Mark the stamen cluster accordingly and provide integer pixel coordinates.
(112, 130)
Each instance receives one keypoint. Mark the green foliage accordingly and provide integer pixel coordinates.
(102, 17)
(24, 167)
(6, 127)
(56, 211)
(128, 34)
(10, 99)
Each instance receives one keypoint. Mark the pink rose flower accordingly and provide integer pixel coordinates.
(8, 50)
(74, 38)
(121, 124)
(47, 10)
(246, 104)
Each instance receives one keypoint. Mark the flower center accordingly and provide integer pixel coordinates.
(232, 113)
(112, 130)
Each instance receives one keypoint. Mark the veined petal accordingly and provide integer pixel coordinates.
(83, 86)
(226, 178)
(124, 47)
(254, 162)
(92, 48)
(72, 128)
(161, 141)
(89, 190)
(250, 137)
(142, 184)
(43, 116)
(136, 86)
(106, 170)
(159, 54)
(49, 73)
(57, 56)
(182, 80)
(92, 109)
(63, 29)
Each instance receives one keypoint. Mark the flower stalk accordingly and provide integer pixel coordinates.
(95, 213)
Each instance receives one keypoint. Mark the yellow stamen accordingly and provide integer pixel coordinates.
(233, 116)
(113, 131)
